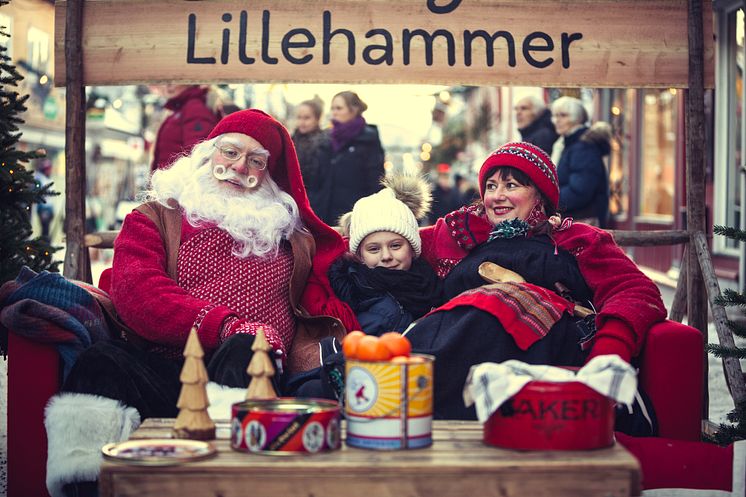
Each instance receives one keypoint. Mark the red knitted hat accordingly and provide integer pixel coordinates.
(529, 159)
(284, 170)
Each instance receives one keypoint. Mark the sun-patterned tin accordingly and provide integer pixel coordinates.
(285, 426)
(389, 405)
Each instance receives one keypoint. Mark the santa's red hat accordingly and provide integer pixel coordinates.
(531, 160)
(284, 170)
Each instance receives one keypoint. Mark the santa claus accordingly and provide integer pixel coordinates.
(225, 243)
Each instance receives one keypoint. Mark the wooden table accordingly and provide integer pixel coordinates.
(458, 464)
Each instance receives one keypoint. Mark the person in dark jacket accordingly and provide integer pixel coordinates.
(308, 139)
(516, 227)
(446, 198)
(534, 122)
(382, 278)
(583, 178)
(352, 164)
(190, 121)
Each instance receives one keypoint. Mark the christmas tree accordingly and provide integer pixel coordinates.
(193, 420)
(261, 369)
(18, 188)
(729, 433)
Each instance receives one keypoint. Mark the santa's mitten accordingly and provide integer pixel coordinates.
(233, 326)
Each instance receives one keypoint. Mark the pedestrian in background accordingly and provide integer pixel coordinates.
(309, 139)
(583, 178)
(446, 198)
(45, 209)
(352, 164)
(466, 189)
(190, 121)
(534, 122)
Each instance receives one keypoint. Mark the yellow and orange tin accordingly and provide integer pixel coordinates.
(389, 405)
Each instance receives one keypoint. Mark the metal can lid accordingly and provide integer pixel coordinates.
(289, 405)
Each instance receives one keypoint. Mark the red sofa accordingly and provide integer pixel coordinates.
(671, 372)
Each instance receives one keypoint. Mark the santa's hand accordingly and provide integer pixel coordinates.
(233, 326)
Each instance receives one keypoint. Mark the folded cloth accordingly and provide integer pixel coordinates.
(526, 311)
(48, 308)
(489, 385)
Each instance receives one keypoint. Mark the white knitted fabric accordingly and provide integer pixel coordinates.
(382, 211)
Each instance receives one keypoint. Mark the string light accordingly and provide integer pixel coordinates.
(11, 171)
(46, 253)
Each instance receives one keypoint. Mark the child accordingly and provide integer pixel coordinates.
(382, 278)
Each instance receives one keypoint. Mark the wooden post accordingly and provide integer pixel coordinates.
(77, 263)
(731, 365)
(695, 176)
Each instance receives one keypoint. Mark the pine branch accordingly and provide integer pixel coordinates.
(720, 351)
(731, 298)
(732, 233)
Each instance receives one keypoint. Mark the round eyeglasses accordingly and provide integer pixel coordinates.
(254, 161)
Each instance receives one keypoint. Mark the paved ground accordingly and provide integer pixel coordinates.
(720, 400)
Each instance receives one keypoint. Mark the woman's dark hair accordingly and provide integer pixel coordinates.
(521, 178)
(353, 101)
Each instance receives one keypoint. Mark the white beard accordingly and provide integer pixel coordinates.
(258, 220)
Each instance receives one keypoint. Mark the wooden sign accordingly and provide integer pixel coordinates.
(598, 43)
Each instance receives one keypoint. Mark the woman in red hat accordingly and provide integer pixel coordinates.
(563, 263)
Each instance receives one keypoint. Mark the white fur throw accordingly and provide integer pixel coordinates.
(78, 425)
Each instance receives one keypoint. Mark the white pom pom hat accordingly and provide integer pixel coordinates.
(382, 211)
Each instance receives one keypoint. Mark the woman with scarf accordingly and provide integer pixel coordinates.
(352, 164)
(562, 263)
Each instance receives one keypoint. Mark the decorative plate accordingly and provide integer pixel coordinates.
(158, 452)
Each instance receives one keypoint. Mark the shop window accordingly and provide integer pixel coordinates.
(729, 131)
(38, 50)
(658, 164)
(6, 24)
(620, 117)
(736, 145)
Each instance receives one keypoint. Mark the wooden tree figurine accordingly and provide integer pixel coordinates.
(261, 369)
(193, 420)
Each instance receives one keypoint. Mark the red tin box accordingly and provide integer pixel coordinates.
(552, 416)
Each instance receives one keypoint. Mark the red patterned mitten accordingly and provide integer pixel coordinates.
(234, 325)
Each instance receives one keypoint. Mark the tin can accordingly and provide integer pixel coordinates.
(389, 405)
(285, 426)
(553, 416)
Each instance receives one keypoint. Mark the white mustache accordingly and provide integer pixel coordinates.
(224, 174)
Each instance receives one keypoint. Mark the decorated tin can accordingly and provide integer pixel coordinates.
(285, 426)
(552, 416)
(389, 405)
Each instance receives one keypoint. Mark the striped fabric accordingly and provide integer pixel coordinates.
(526, 311)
